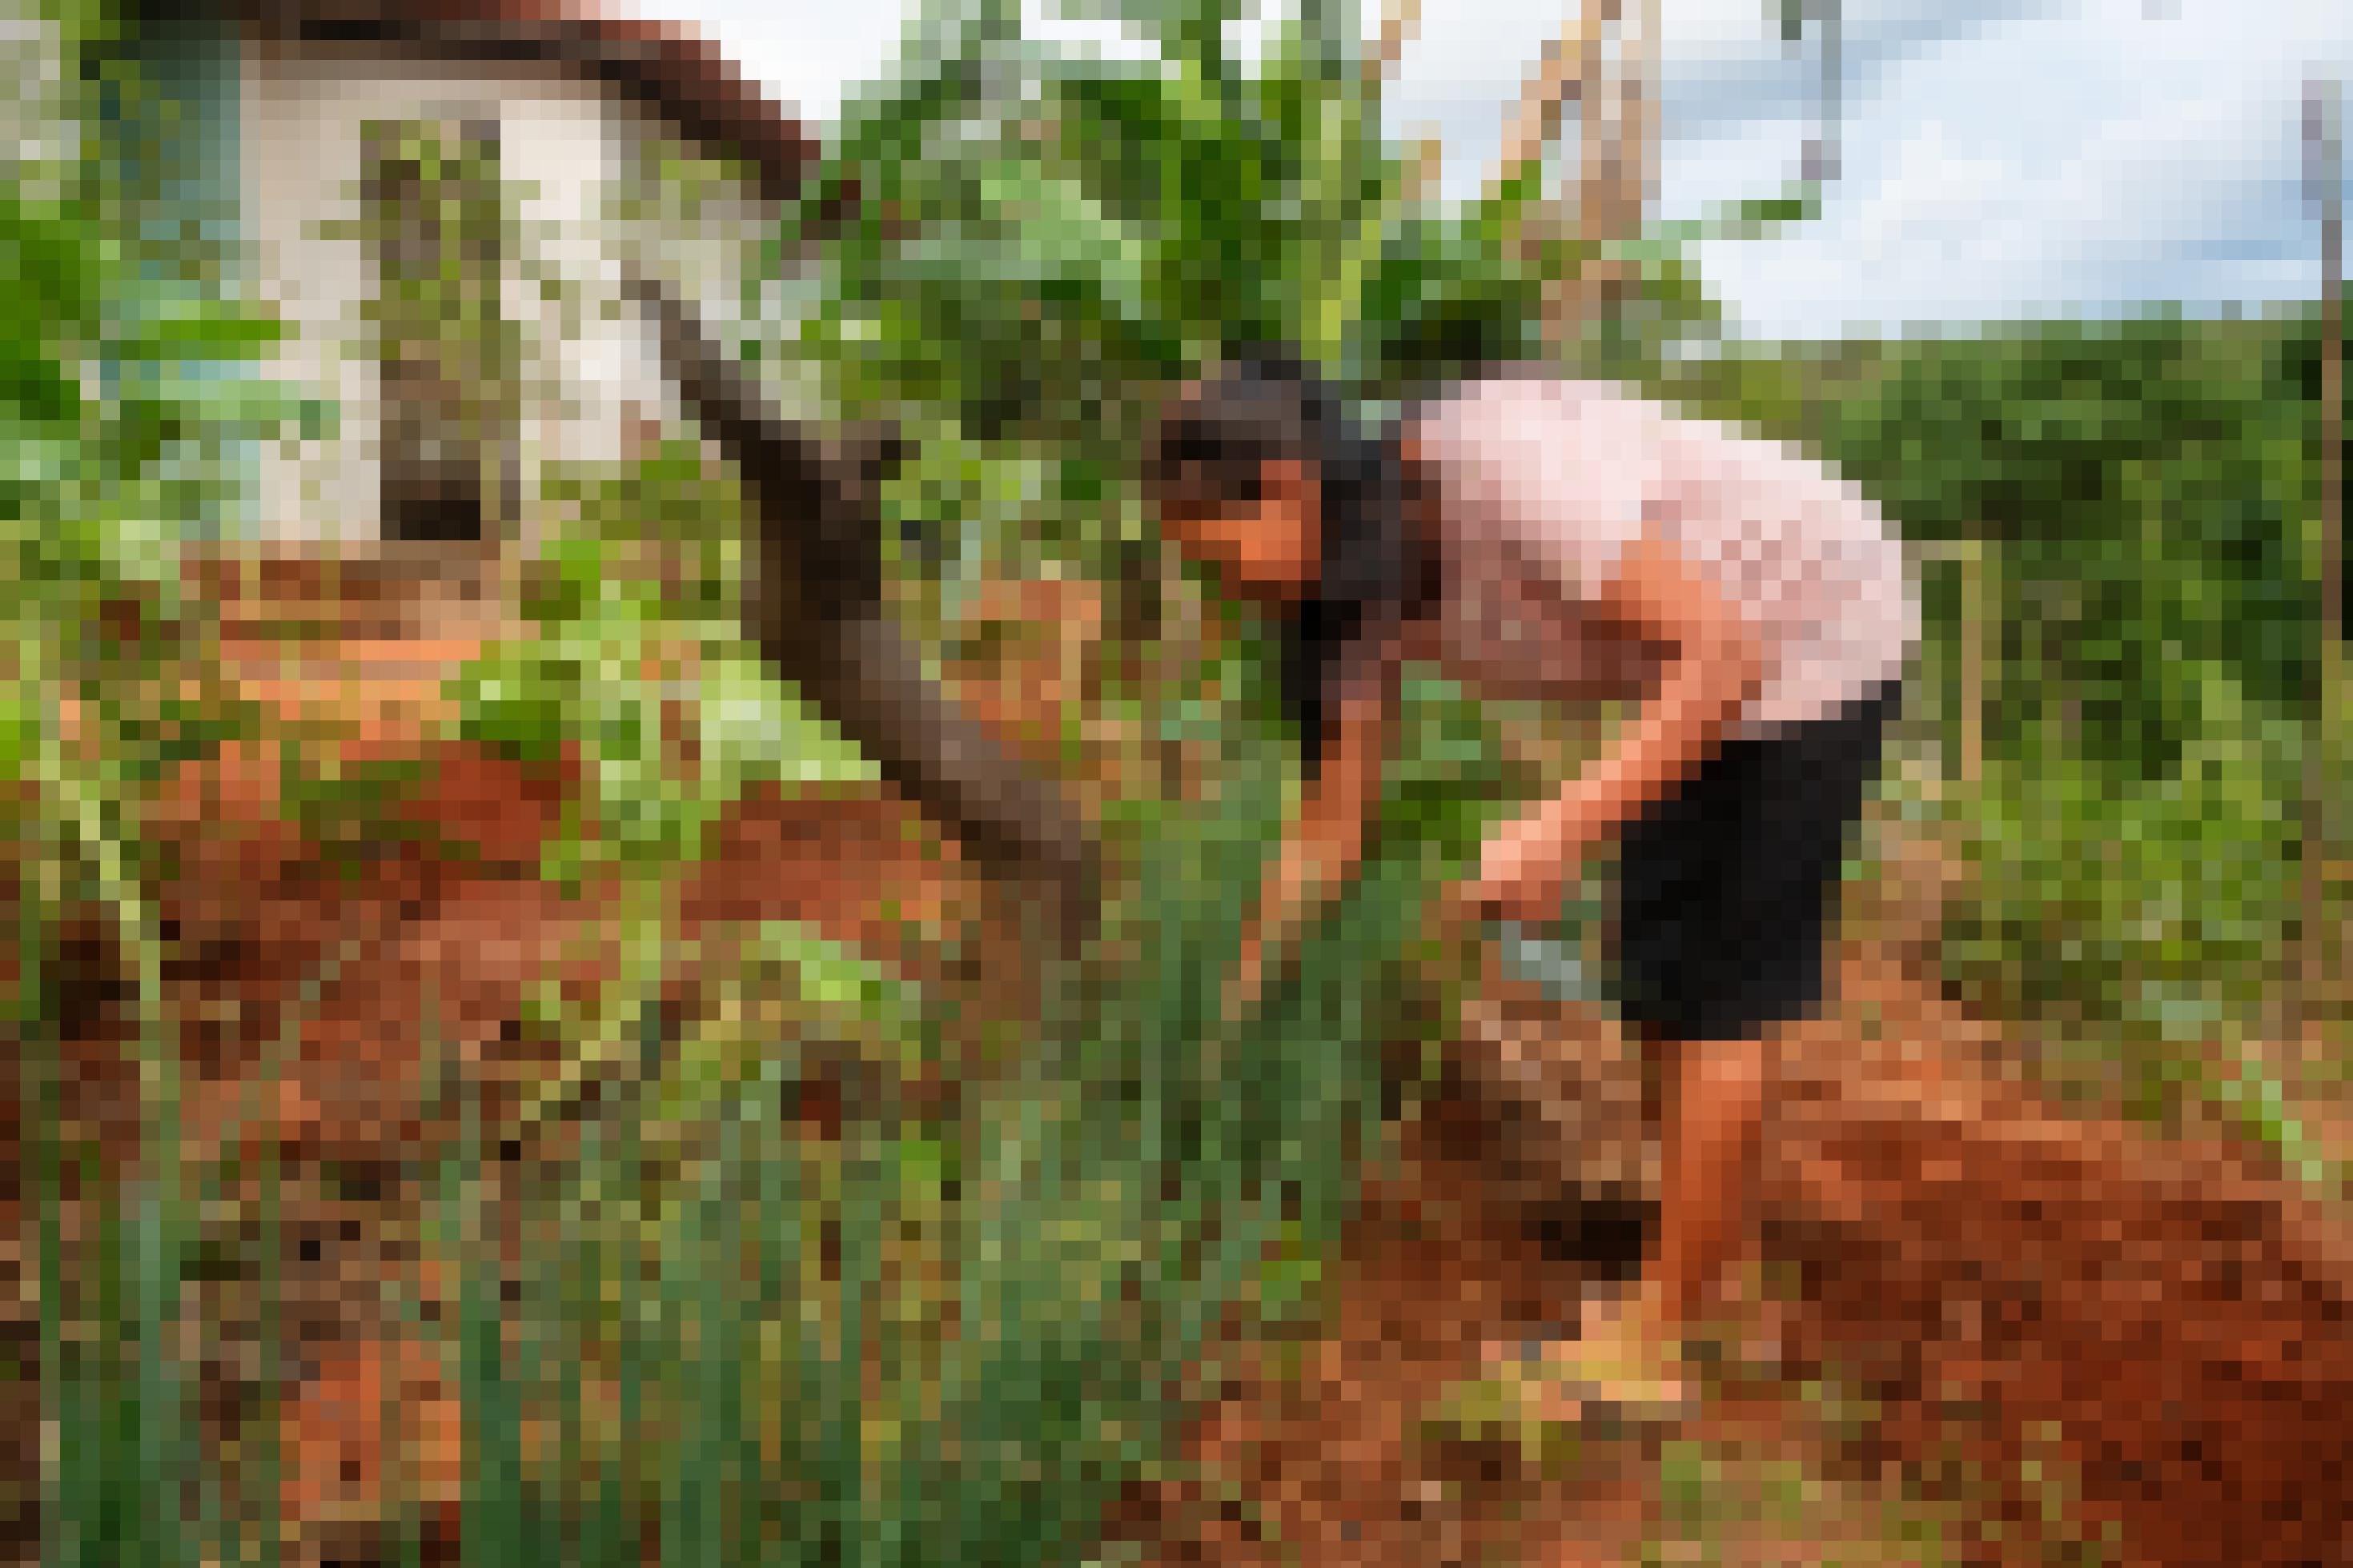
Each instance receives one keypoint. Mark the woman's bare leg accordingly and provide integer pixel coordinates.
(1715, 1115)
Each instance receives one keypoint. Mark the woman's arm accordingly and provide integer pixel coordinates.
(1323, 845)
(1713, 668)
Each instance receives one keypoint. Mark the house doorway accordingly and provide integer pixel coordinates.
(438, 224)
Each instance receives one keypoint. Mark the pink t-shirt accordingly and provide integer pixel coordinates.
(1544, 481)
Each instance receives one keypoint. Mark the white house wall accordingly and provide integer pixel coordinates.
(594, 372)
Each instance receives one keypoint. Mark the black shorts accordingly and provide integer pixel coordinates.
(1726, 884)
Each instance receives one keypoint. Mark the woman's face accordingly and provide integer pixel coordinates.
(1266, 548)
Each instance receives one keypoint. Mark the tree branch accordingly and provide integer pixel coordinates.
(813, 604)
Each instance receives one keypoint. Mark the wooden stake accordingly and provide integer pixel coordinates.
(1976, 626)
(1973, 652)
(2325, 177)
(1567, 69)
(1621, 123)
(1424, 164)
(1397, 29)
(1621, 133)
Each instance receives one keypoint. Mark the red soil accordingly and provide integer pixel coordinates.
(1985, 1267)
(2162, 1323)
(438, 912)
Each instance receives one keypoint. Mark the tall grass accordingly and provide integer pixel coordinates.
(938, 1340)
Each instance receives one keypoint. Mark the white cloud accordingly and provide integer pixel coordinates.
(2082, 162)
(2003, 156)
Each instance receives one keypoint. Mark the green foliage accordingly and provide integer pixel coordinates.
(2146, 487)
(2146, 482)
(632, 606)
(110, 426)
(1085, 1224)
(104, 412)
(2145, 490)
(1045, 239)
(1126, 1191)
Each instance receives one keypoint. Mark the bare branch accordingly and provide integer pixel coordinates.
(813, 604)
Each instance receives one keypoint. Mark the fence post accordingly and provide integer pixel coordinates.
(2324, 184)
(1971, 651)
(1977, 620)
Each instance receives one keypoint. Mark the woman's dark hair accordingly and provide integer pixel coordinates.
(1208, 452)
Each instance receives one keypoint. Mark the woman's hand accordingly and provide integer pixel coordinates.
(1244, 987)
(1526, 869)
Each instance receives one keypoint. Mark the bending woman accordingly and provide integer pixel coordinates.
(1544, 538)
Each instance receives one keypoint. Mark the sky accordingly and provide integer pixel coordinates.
(2002, 158)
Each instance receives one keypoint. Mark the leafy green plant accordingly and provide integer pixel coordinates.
(1043, 237)
(109, 436)
(2141, 489)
